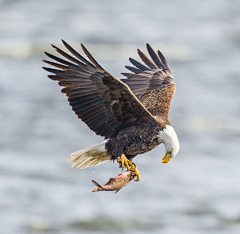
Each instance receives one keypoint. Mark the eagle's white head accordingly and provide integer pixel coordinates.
(169, 138)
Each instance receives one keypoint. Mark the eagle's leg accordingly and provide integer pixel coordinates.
(126, 162)
(134, 169)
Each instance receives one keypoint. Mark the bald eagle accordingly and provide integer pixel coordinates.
(132, 114)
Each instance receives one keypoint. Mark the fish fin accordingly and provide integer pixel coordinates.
(110, 180)
(117, 190)
(99, 187)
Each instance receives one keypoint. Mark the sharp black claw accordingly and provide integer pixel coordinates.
(133, 176)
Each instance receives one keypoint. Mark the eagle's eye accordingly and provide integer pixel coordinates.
(170, 154)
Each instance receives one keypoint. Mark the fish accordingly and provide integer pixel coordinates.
(115, 183)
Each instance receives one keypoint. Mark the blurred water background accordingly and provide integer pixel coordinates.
(198, 192)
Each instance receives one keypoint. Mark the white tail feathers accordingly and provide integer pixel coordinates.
(92, 156)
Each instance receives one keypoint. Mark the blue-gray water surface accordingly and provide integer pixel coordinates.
(197, 192)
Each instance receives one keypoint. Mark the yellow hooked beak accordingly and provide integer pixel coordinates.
(166, 158)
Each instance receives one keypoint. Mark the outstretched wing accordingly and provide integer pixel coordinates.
(152, 83)
(103, 102)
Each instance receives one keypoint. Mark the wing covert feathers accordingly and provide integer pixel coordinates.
(106, 104)
(152, 83)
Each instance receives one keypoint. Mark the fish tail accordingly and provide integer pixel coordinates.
(92, 156)
(99, 187)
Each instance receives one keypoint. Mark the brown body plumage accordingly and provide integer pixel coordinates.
(129, 113)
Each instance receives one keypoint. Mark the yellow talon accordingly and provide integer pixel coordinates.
(136, 172)
(126, 162)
